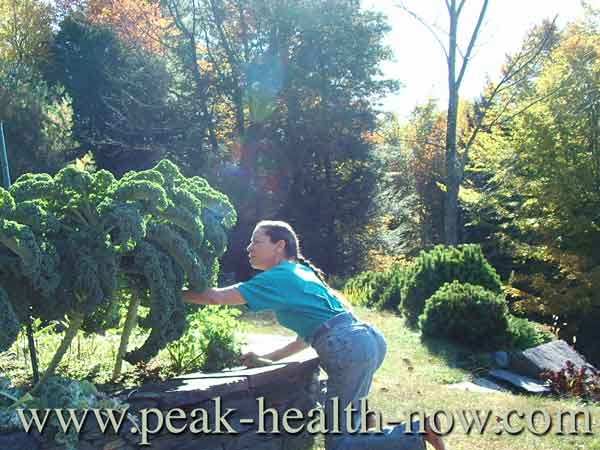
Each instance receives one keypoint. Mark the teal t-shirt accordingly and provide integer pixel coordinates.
(300, 301)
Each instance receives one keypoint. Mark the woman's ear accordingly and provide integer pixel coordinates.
(281, 245)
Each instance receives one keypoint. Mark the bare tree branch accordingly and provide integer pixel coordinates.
(459, 9)
(426, 25)
(472, 41)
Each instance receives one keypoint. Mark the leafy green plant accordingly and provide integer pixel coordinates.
(468, 314)
(523, 334)
(209, 343)
(68, 241)
(430, 270)
(56, 393)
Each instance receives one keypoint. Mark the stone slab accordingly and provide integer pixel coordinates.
(522, 382)
(550, 356)
(194, 391)
(18, 441)
(480, 384)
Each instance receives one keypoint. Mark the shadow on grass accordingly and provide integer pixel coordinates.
(458, 356)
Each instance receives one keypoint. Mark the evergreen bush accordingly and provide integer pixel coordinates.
(467, 314)
(365, 288)
(430, 270)
(381, 290)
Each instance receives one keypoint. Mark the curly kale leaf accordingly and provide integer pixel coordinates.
(103, 183)
(216, 202)
(32, 187)
(7, 204)
(73, 187)
(214, 234)
(179, 249)
(166, 305)
(152, 176)
(72, 179)
(188, 222)
(151, 193)
(170, 172)
(104, 318)
(34, 214)
(185, 199)
(10, 324)
(21, 241)
(50, 276)
(93, 268)
(126, 224)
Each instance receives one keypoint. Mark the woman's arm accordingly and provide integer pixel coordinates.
(251, 359)
(214, 296)
(289, 349)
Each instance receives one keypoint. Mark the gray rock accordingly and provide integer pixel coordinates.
(83, 445)
(520, 381)
(114, 445)
(479, 384)
(18, 441)
(550, 356)
(501, 358)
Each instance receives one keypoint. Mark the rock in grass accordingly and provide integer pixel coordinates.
(550, 356)
(522, 382)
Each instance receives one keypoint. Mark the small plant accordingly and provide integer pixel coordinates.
(57, 393)
(209, 343)
(571, 381)
(523, 334)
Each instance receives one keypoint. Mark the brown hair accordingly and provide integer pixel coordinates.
(278, 230)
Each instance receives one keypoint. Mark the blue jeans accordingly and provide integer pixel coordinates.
(350, 353)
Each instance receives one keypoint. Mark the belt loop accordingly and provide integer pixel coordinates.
(331, 323)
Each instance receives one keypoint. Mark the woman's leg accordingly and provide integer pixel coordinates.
(350, 357)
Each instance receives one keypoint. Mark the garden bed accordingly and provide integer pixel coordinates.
(284, 386)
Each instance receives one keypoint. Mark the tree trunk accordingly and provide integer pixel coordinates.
(452, 168)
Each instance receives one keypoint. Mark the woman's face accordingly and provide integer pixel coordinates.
(263, 253)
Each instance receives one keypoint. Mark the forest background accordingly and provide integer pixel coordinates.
(275, 103)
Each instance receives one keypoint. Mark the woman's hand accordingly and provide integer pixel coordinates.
(251, 360)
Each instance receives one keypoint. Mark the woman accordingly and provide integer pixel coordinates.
(349, 350)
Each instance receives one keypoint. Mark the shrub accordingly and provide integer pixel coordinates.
(468, 314)
(391, 297)
(523, 334)
(365, 288)
(376, 289)
(430, 270)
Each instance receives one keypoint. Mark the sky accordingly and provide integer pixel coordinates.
(419, 59)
